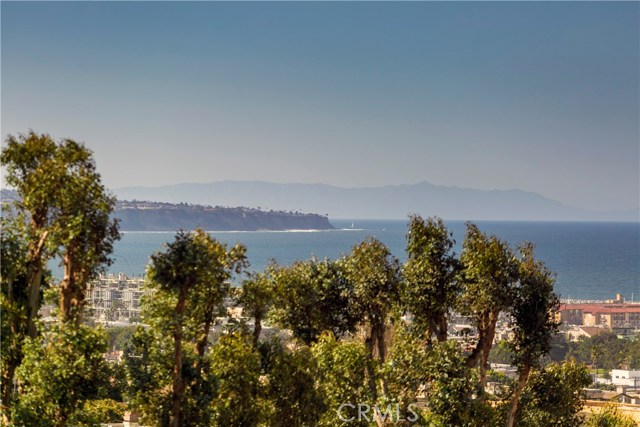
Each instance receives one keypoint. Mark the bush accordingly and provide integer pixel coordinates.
(95, 412)
(610, 417)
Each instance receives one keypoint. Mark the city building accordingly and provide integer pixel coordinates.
(624, 377)
(113, 298)
(613, 314)
(574, 332)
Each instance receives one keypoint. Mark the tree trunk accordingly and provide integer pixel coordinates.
(472, 359)
(201, 341)
(72, 290)
(486, 332)
(177, 392)
(431, 330)
(12, 362)
(486, 349)
(201, 344)
(61, 417)
(7, 390)
(178, 382)
(369, 343)
(67, 290)
(382, 355)
(522, 382)
(442, 327)
(382, 345)
(34, 277)
(34, 272)
(257, 329)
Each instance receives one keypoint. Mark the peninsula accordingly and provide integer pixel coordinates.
(157, 216)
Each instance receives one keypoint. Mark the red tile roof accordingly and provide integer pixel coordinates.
(603, 308)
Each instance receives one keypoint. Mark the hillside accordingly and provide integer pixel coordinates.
(158, 216)
(154, 216)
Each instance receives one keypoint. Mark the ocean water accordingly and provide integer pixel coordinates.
(591, 260)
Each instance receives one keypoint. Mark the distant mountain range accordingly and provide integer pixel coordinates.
(387, 202)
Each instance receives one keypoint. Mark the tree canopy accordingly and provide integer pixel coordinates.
(62, 209)
(360, 340)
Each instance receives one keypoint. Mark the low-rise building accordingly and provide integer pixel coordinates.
(625, 377)
(612, 314)
(574, 333)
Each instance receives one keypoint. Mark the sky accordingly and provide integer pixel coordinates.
(537, 96)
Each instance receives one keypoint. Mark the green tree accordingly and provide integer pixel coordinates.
(633, 353)
(256, 298)
(86, 231)
(60, 371)
(604, 350)
(501, 353)
(450, 386)
(14, 307)
(113, 312)
(490, 273)
(374, 277)
(31, 165)
(610, 417)
(312, 297)
(188, 282)
(148, 360)
(61, 209)
(553, 396)
(96, 412)
(341, 369)
(431, 276)
(235, 365)
(438, 371)
(533, 312)
(120, 336)
(116, 386)
(291, 396)
(560, 348)
(407, 367)
(596, 354)
(35, 170)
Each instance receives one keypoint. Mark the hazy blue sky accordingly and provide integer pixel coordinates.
(538, 96)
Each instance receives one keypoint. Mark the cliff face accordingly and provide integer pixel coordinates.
(150, 216)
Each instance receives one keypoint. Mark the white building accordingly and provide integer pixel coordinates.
(114, 297)
(625, 377)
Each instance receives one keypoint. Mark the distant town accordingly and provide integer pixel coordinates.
(116, 298)
(114, 301)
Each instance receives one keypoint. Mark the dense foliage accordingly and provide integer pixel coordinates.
(606, 350)
(61, 369)
(357, 341)
(553, 397)
(610, 417)
(62, 209)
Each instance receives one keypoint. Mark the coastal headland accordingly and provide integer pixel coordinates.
(157, 216)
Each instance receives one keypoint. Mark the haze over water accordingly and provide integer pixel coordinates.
(536, 96)
(592, 260)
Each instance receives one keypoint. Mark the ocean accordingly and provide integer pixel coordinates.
(592, 260)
